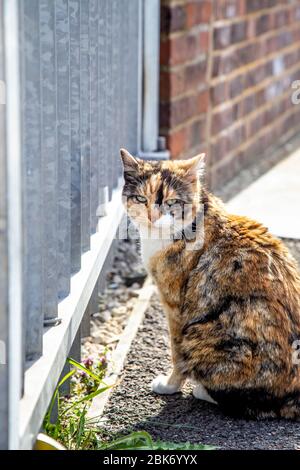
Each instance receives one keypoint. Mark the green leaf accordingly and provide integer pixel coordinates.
(86, 398)
(161, 445)
(80, 429)
(137, 440)
(56, 397)
(81, 367)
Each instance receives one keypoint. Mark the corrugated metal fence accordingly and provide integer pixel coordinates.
(80, 64)
(80, 104)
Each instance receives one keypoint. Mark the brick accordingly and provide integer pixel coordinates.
(258, 74)
(281, 18)
(290, 59)
(218, 150)
(247, 54)
(203, 41)
(284, 39)
(225, 171)
(222, 119)
(219, 93)
(222, 37)
(248, 104)
(198, 12)
(191, 18)
(177, 112)
(254, 5)
(223, 64)
(177, 142)
(296, 13)
(262, 112)
(238, 32)
(255, 125)
(224, 9)
(172, 83)
(203, 101)
(173, 18)
(229, 61)
(178, 50)
(251, 28)
(196, 133)
(195, 74)
(263, 24)
(236, 86)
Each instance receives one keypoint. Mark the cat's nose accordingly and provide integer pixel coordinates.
(153, 215)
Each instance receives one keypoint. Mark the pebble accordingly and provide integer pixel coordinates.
(119, 311)
(102, 316)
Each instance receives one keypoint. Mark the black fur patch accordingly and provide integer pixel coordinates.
(160, 195)
(237, 265)
(217, 310)
(250, 402)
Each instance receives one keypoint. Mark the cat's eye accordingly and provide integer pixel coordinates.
(140, 199)
(171, 202)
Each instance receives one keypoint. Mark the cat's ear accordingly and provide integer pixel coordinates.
(130, 164)
(194, 167)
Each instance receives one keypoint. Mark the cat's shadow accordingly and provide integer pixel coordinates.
(183, 418)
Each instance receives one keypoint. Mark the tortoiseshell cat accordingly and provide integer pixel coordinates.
(232, 300)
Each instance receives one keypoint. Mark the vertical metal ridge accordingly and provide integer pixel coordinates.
(49, 157)
(74, 18)
(63, 146)
(95, 148)
(85, 91)
(14, 195)
(32, 174)
(4, 276)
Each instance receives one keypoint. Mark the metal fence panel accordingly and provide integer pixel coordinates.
(79, 93)
(32, 174)
(126, 72)
(116, 71)
(63, 147)
(133, 75)
(122, 79)
(85, 115)
(95, 155)
(103, 177)
(49, 157)
(74, 15)
(3, 256)
(109, 119)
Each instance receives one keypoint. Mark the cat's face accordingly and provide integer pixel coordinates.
(161, 198)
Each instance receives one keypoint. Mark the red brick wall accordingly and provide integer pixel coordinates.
(225, 80)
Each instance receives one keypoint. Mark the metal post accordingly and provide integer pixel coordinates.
(13, 159)
(150, 127)
(3, 254)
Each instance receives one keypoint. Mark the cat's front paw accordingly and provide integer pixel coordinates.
(161, 386)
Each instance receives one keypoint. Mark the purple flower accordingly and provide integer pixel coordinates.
(103, 361)
(88, 362)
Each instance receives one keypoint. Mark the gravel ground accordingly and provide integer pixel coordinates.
(181, 417)
(115, 304)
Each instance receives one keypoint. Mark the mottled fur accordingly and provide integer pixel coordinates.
(233, 304)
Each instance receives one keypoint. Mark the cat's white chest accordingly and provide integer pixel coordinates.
(150, 247)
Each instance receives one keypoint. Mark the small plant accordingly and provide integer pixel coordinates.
(70, 427)
(141, 440)
(75, 431)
